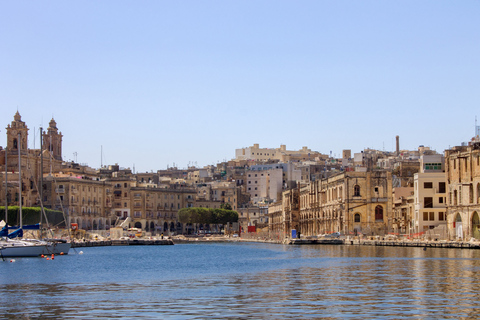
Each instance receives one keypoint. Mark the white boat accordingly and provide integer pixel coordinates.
(15, 248)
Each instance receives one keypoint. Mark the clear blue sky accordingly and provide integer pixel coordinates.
(163, 82)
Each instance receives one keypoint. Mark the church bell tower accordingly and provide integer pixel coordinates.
(13, 130)
(52, 140)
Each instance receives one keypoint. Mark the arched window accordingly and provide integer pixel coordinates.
(379, 213)
(357, 217)
(356, 191)
(15, 144)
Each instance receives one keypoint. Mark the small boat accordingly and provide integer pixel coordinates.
(18, 248)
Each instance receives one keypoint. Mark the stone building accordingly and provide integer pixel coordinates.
(349, 202)
(253, 216)
(85, 202)
(283, 215)
(281, 154)
(462, 168)
(403, 201)
(156, 209)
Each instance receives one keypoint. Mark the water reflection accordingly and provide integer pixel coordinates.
(262, 281)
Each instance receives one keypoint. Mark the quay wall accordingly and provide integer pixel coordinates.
(362, 242)
(126, 242)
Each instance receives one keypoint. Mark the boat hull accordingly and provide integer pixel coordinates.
(20, 250)
(57, 248)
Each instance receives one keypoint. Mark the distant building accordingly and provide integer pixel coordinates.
(282, 154)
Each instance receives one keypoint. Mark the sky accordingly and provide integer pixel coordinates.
(155, 84)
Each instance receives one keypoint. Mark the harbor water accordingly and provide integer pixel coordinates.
(243, 281)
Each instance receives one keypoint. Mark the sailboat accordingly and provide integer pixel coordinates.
(10, 247)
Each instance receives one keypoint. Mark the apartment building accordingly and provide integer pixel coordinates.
(264, 185)
(430, 194)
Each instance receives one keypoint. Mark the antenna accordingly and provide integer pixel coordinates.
(477, 128)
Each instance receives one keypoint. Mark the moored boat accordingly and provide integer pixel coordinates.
(18, 248)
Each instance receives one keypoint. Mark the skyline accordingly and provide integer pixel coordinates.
(189, 82)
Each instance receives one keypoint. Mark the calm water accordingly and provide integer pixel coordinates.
(244, 281)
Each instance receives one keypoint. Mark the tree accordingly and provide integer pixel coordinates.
(226, 206)
(207, 216)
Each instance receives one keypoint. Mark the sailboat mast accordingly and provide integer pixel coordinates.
(41, 176)
(19, 144)
(6, 187)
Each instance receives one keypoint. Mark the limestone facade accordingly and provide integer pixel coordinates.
(282, 154)
(462, 168)
(403, 201)
(349, 203)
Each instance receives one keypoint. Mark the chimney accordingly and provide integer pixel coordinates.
(398, 145)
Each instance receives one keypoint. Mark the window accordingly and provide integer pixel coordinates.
(356, 191)
(376, 189)
(428, 202)
(428, 185)
(440, 200)
(425, 216)
(379, 213)
(440, 216)
(432, 216)
(357, 217)
(441, 187)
